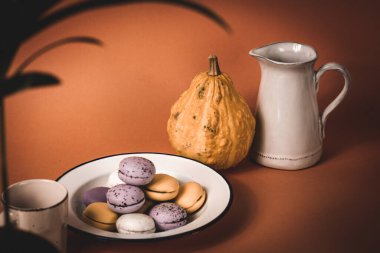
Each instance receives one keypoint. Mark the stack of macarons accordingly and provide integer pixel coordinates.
(137, 200)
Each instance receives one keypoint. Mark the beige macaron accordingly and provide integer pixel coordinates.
(191, 197)
(162, 188)
(99, 215)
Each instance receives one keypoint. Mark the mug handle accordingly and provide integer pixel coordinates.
(339, 98)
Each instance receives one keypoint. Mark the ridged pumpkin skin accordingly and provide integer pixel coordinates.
(211, 122)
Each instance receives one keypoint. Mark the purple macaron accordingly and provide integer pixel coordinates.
(97, 194)
(136, 170)
(168, 216)
(125, 198)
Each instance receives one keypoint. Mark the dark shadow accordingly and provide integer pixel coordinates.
(240, 215)
(355, 122)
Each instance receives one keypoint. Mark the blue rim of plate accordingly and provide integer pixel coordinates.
(193, 231)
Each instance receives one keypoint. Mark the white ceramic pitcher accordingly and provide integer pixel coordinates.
(290, 130)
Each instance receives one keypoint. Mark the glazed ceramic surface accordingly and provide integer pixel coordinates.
(96, 172)
(290, 130)
(40, 206)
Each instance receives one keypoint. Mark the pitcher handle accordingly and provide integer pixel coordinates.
(339, 98)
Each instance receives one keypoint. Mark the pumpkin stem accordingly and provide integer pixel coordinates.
(214, 66)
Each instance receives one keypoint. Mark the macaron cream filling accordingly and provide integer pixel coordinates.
(196, 202)
(129, 176)
(101, 222)
(149, 190)
(125, 205)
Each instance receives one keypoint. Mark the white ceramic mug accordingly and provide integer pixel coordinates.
(40, 206)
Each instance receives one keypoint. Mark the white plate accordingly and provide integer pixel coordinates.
(96, 172)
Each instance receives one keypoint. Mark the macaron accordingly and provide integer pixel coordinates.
(136, 170)
(162, 188)
(96, 194)
(125, 198)
(168, 216)
(99, 215)
(113, 179)
(135, 223)
(191, 196)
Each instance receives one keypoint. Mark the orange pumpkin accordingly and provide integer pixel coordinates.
(211, 122)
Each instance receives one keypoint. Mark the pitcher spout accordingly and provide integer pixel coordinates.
(285, 53)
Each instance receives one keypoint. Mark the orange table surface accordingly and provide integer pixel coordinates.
(117, 99)
(331, 207)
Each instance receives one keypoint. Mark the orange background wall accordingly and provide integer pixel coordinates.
(117, 98)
